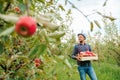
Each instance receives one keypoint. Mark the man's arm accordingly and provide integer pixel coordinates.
(75, 51)
(90, 49)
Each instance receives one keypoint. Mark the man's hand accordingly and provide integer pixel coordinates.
(78, 57)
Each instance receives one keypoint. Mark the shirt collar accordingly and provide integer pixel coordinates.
(82, 44)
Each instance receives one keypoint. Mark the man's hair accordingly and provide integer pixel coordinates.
(82, 35)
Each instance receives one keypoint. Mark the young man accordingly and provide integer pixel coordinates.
(84, 67)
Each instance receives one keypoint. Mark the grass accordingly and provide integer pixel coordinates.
(104, 71)
(59, 71)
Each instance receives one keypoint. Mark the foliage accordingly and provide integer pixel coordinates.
(112, 40)
(106, 45)
(17, 53)
(52, 43)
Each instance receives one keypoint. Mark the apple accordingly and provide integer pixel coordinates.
(26, 26)
(37, 64)
(37, 60)
(17, 9)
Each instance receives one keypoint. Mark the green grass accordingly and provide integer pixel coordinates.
(59, 71)
(104, 71)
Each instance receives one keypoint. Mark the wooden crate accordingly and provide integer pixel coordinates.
(89, 58)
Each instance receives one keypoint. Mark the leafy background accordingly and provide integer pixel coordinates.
(52, 43)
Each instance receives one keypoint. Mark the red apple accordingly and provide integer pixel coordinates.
(26, 26)
(37, 60)
(37, 64)
(17, 9)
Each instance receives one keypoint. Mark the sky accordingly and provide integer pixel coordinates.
(80, 23)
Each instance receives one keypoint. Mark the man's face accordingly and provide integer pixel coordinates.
(81, 38)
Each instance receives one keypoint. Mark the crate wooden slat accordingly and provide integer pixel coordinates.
(89, 58)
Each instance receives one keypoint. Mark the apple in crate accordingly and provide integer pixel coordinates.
(88, 56)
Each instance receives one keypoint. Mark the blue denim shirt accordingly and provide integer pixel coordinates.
(80, 48)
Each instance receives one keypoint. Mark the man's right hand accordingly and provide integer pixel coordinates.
(78, 57)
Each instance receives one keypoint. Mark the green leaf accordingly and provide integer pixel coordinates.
(65, 2)
(34, 50)
(9, 62)
(20, 1)
(91, 26)
(105, 3)
(67, 63)
(24, 58)
(50, 2)
(1, 7)
(1, 47)
(42, 48)
(56, 34)
(73, 6)
(43, 1)
(37, 50)
(7, 31)
(109, 17)
(9, 18)
(69, 12)
(44, 32)
(61, 57)
(61, 7)
(97, 23)
(22, 7)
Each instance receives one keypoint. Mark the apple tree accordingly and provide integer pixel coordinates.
(30, 38)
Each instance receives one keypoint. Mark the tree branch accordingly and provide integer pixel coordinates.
(79, 11)
(7, 6)
(27, 2)
(105, 3)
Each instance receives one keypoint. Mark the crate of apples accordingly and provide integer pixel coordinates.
(88, 56)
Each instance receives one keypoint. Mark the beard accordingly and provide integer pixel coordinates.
(81, 41)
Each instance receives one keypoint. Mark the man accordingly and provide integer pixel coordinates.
(84, 67)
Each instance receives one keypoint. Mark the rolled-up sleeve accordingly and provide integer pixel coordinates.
(90, 49)
(74, 53)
